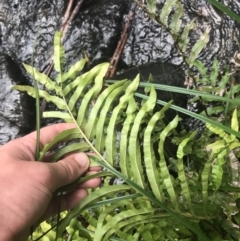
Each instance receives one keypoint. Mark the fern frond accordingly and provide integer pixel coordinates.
(99, 114)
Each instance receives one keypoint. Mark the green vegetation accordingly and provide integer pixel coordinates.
(188, 194)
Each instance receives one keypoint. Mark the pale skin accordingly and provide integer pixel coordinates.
(27, 186)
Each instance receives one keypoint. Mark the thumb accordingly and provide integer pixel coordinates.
(67, 170)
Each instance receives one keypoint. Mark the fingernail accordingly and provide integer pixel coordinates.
(82, 159)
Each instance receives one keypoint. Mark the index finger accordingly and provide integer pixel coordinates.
(49, 132)
(28, 142)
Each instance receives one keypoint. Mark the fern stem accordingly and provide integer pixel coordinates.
(37, 102)
(38, 121)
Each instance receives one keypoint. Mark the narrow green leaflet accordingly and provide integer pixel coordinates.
(205, 176)
(217, 168)
(183, 40)
(71, 148)
(181, 152)
(58, 58)
(57, 114)
(198, 46)
(136, 165)
(124, 142)
(152, 171)
(59, 102)
(163, 167)
(176, 21)
(166, 10)
(214, 72)
(81, 84)
(234, 122)
(85, 178)
(73, 84)
(225, 136)
(43, 79)
(151, 7)
(181, 172)
(201, 67)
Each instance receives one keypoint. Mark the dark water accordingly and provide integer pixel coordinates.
(27, 29)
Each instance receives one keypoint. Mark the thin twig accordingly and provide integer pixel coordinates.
(74, 13)
(119, 49)
(66, 15)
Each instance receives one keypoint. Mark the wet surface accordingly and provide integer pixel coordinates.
(149, 42)
(16, 109)
(27, 29)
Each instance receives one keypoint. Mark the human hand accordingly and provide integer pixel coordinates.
(27, 186)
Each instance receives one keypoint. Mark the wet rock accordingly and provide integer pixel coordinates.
(149, 42)
(97, 28)
(30, 27)
(98, 25)
(96, 31)
(27, 29)
(16, 109)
